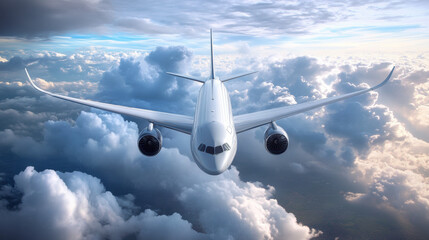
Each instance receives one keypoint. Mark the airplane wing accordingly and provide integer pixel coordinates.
(177, 122)
(248, 121)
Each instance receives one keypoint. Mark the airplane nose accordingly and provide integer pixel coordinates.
(215, 165)
(211, 148)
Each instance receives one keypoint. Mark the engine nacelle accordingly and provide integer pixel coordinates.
(150, 141)
(276, 139)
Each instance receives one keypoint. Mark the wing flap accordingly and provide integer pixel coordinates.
(248, 121)
(177, 122)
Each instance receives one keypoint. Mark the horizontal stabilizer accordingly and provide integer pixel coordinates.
(186, 77)
(238, 76)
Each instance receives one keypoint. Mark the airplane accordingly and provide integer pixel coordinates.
(213, 128)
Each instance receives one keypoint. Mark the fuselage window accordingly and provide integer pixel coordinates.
(202, 147)
(218, 150)
(210, 150)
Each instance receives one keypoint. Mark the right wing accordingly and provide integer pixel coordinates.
(248, 121)
(177, 122)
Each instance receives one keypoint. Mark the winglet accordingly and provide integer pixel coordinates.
(33, 84)
(385, 80)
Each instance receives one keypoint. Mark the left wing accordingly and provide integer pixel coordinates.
(177, 122)
(248, 121)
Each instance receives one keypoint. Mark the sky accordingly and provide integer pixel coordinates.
(357, 169)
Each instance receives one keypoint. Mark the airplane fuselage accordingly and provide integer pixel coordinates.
(213, 139)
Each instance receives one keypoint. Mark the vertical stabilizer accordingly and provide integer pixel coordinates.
(212, 73)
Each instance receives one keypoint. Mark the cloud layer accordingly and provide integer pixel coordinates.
(77, 205)
(360, 155)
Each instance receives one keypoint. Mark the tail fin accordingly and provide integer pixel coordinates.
(212, 73)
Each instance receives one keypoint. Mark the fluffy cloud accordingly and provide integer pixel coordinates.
(397, 180)
(280, 83)
(77, 206)
(330, 154)
(108, 143)
(144, 82)
(237, 210)
(15, 63)
(332, 143)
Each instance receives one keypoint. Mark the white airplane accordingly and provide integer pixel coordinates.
(213, 129)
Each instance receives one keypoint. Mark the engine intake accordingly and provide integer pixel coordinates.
(276, 139)
(150, 141)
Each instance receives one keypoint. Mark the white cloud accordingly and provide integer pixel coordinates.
(224, 205)
(75, 205)
(393, 170)
(396, 173)
(236, 210)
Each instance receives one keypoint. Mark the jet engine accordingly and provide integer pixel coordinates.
(276, 139)
(150, 141)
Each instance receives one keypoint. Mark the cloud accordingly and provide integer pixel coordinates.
(142, 25)
(395, 172)
(252, 17)
(15, 63)
(332, 143)
(245, 208)
(31, 19)
(77, 206)
(24, 110)
(334, 150)
(107, 142)
(144, 82)
(280, 83)
(361, 127)
(43, 19)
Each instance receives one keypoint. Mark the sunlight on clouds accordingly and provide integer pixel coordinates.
(349, 196)
(398, 164)
(81, 87)
(420, 117)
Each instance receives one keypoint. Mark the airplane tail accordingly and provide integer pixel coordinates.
(212, 72)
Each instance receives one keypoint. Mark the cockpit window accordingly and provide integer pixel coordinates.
(214, 150)
(202, 147)
(210, 150)
(218, 149)
(226, 147)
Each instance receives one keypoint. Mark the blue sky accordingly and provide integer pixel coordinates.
(358, 169)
